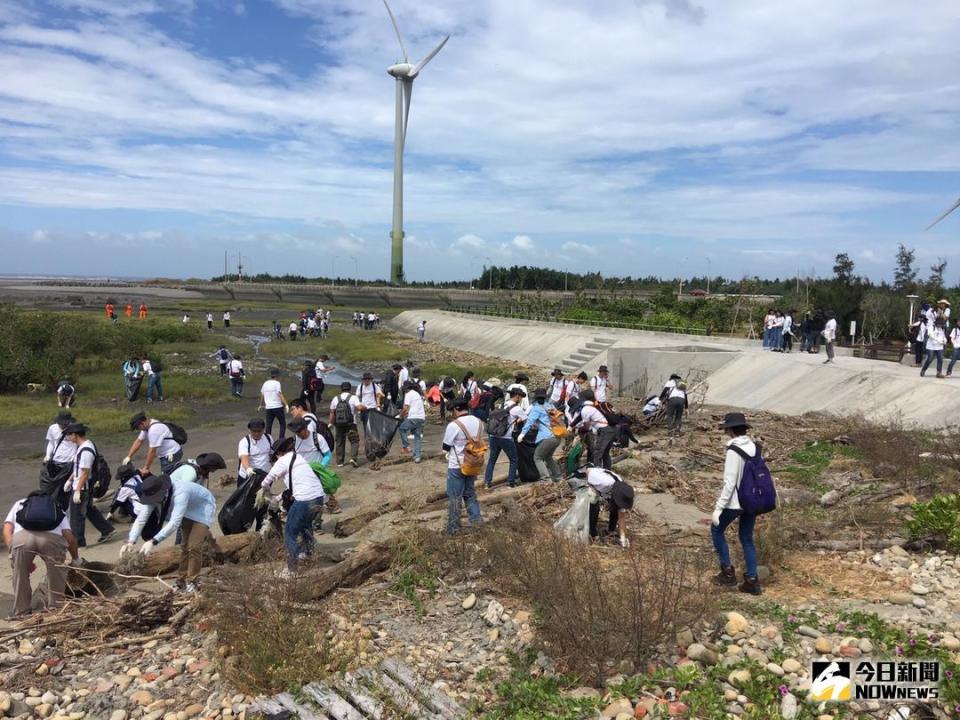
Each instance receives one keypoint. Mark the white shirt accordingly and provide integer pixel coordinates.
(602, 480)
(936, 338)
(669, 385)
(235, 368)
(591, 418)
(293, 327)
(556, 390)
(368, 394)
(599, 386)
(403, 376)
(732, 472)
(524, 401)
(304, 481)
(321, 369)
(12, 519)
(311, 420)
(83, 460)
(257, 451)
(414, 401)
(830, 330)
(158, 437)
(307, 447)
(677, 393)
(59, 449)
(651, 406)
(454, 437)
(350, 399)
(422, 328)
(209, 317)
(787, 324)
(271, 391)
(954, 339)
(226, 316)
(470, 387)
(517, 416)
(147, 368)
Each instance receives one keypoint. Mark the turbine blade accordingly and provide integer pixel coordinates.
(950, 210)
(396, 28)
(420, 65)
(407, 95)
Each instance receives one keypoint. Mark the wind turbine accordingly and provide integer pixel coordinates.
(405, 73)
(950, 210)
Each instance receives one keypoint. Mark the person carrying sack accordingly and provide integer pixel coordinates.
(344, 409)
(547, 440)
(466, 453)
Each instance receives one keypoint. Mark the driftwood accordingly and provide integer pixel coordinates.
(845, 545)
(223, 549)
(353, 571)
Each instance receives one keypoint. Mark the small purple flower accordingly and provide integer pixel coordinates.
(948, 674)
(840, 626)
(784, 690)
(899, 650)
(913, 641)
(791, 618)
(957, 709)
(930, 638)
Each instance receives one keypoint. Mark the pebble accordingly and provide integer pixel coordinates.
(119, 715)
(823, 645)
(469, 601)
(865, 646)
(900, 598)
(141, 697)
(919, 602)
(736, 623)
(808, 631)
(701, 653)
(49, 698)
(918, 589)
(788, 707)
(790, 665)
(775, 669)
(616, 707)
(739, 678)
(951, 643)
(42, 670)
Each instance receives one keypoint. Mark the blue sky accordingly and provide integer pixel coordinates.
(664, 137)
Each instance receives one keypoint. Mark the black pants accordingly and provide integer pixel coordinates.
(310, 396)
(675, 408)
(600, 444)
(788, 342)
(226, 323)
(86, 510)
(278, 415)
(223, 368)
(917, 353)
(595, 516)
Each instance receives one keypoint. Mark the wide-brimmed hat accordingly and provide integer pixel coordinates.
(210, 461)
(75, 428)
(137, 419)
(521, 377)
(674, 376)
(557, 371)
(297, 424)
(64, 418)
(154, 489)
(540, 394)
(734, 420)
(603, 368)
(516, 390)
(943, 302)
(492, 382)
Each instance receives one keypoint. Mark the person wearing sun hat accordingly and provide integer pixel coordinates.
(727, 507)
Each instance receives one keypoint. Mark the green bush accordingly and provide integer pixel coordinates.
(937, 521)
(42, 347)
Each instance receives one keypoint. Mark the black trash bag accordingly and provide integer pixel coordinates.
(526, 467)
(238, 513)
(52, 479)
(379, 431)
(132, 386)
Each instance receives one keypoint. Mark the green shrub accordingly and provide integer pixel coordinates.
(937, 521)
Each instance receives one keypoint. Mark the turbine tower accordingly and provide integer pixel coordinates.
(950, 210)
(405, 73)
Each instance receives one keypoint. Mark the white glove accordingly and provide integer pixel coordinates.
(624, 542)
(76, 497)
(46, 459)
(520, 438)
(147, 548)
(127, 548)
(126, 460)
(67, 486)
(109, 517)
(716, 517)
(266, 483)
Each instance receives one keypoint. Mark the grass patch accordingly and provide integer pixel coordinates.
(346, 346)
(523, 697)
(811, 461)
(416, 573)
(18, 411)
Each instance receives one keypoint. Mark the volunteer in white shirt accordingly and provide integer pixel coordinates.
(559, 390)
(226, 319)
(295, 475)
(236, 372)
(81, 507)
(421, 330)
(344, 413)
(59, 450)
(309, 445)
(210, 322)
(28, 547)
(414, 417)
(830, 335)
(955, 341)
(677, 403)
(460, 487)
(254, 449)
(504, 442)
(519, 382)
(668, 386)
(601, 386)
(275, 404)
(160, 444)
(600, 436)
(616, 493)
(936, 341)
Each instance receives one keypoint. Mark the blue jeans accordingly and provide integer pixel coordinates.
(745, 533)
(509, 448)
(931, 354)
(953, 359)
(416, 427)
(236, 386)
(460, 488)
(299, 528)
(154, 382)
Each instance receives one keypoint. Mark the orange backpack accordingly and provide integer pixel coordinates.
(474, 453)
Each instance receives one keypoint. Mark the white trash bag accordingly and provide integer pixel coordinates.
(574, 524)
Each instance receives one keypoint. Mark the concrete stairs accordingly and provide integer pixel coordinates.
(577, 359)
(391, 689)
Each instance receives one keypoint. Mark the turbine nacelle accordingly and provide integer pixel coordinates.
(402, 71)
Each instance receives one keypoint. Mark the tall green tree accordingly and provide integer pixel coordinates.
(904, 274)
(935, 283)
(843, 268)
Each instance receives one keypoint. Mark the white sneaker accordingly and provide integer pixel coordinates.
(285, 574)
(190, 589)
(301, 556)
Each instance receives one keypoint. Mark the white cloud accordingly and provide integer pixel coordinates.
(524, 243)
(576, 248)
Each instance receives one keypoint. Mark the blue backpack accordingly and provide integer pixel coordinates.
(756, 492)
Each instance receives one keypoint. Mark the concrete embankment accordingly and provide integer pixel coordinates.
(737, 372)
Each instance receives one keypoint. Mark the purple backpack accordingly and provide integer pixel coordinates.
(756, 492)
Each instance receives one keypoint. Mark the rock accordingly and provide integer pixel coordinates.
(799, 497)
(193, 710)
(25, 647)
(739, 678)
(900, 598)
(42, 670)
(775, 669)
(698, 652)
(903, 501)
(198, 666)
(919, 602)
(493, 634)
(677, 709)
(763, 573)
(616, 707)
(122, 715)
(790, 665)
(898, 550)
(5, 702)
(831, 498)
(469, 601)
(736, 623)
(788, 707)
(43, 710)
(141, 697)
(685, 638)
(918, 589)
(625, 715)
(730, 695)
(850, 651)
(103, 686)
(521, 617)
(808, 631)
(769, 632)
(951, 643)
(49, 698)
(823, 645)
(493, 613)
(865, 646)
(584, 693)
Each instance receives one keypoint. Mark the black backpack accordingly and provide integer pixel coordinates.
(343, 413)
(323, 430)
(100, 475)
(40, 512)
(499, 422)
(177, 433)
(156, 365)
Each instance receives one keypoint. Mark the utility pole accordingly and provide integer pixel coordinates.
(709, 272)
(239, 267)
(226, 278)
